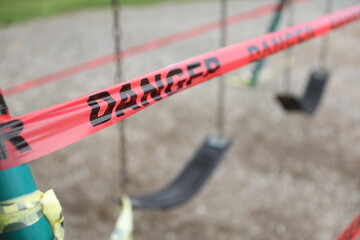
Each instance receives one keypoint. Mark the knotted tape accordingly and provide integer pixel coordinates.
(26, 210)
(124, 225)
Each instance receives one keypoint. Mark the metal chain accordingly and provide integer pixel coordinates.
(116, 31)
(221, 86)
(324, 46)
(116, 10)
(288, 55)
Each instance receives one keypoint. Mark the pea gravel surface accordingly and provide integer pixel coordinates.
(286, 176)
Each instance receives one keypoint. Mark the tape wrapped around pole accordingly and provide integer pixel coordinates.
(37, 134)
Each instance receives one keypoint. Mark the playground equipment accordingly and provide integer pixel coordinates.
(189, 181)
(274, 24)
(197, 171)
(73, 120)
(25, 212)
(310, 101)
(205, 160)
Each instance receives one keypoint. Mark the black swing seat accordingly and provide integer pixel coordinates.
(312, 96)
(189, 181)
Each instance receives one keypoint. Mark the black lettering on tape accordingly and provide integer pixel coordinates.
(128, 100)
(332, 23)
(290, 40)
(212, 65)
(170, 80)
(155, 92)
(281, 43)
(14, 129)
(309, 32)
(299, 34)
(254, 53)
(266, 49)
(3, 107)
(275, 44)
(192, 73)
(95, 118)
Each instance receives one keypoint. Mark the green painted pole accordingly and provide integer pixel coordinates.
(16, 182)
(273, 26)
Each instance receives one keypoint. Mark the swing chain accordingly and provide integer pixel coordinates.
(324, 46)
(221, 86)
(116, 31)
(288, 59)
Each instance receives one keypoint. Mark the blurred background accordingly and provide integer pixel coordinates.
(286, 176)
(22, 10)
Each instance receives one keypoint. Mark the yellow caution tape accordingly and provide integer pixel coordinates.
(124, 224)
(26, 210)
(53, 212)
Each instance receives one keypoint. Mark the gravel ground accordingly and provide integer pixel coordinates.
(287, 176)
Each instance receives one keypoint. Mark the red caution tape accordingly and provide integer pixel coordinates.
(151, 45)
(39, 133)
(4, 112)
(353, 230)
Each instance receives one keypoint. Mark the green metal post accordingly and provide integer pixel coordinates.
(16, 182)
(273, 26)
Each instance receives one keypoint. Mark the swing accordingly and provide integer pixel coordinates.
(198, 170)
(311, 98)
(309, 102)
(190, 180)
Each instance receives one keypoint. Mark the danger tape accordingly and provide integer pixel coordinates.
(37, 134)
(148, 46)
(353, 230)
(4, 112)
